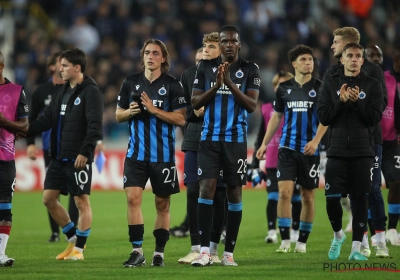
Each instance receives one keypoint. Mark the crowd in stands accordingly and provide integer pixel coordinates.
(112, 32)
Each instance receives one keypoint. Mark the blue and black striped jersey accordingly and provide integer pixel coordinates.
(224, 119)
(299, 106)
(150, 138)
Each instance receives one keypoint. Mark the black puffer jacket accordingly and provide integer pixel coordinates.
(83, 118)
(371, 70)
(351, 124)
(193, 125)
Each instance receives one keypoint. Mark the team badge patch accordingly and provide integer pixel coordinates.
(6, 98)
(125, 179)
(239, 74)
(199, 171)
(278, 174)
(362, 95)
(221, 173)
(181, 100)
(268, 183)
(77, 101)
(162, 91)
(312, 93)
(289, 91)
(327, 186)
(338, 92)
(257, 81)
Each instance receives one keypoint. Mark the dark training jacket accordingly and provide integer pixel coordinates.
(82, 126)
(371, 70)
(351, 123)
(193, 124)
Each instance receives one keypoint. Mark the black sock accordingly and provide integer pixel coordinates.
(205, 213)
(296, 210)
(81, 237)
(162, 236)
(360, 215)
(136, 233)
(272, 213)
(335, 212)
(219, 214)
(234, 219)
(284, 227)
(192, 195)
(393, 220)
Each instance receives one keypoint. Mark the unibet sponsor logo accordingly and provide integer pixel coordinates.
(224, 89)
(300, 106)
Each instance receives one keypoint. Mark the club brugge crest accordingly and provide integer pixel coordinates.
(312, 93)
(239, 74)
(362, 95)
(77, 101)
(162, 91)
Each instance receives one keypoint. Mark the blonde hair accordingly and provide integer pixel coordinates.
(349, 34)
(211, 37)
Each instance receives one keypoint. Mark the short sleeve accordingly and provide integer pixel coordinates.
(253, 80)
(178, 99)
(22, 110)
(279, 105)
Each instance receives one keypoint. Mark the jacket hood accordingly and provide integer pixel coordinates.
(87, 80)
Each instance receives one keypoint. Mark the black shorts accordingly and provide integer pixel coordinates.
(47, 158)
(231, 156)
(295, 166)
(7, 180)
(348, 176)
(190, 169)
(163, 176)
(64, 177)
(391, 161)
(272, 182)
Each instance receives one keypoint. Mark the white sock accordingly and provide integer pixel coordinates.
(356, 246)
(285, 243)
(213, 246)
(80, 250)
(364, 242)
(72, 239)
(228, 254)
(338, 235)
(195, 248)
(158, 253)
(300, 245)
(139, 250)
(205, 250)
(3, 243)
(380, 236)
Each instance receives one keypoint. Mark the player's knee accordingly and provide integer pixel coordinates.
(162, 204)
(5, 215)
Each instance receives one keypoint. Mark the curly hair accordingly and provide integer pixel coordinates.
(299, 50)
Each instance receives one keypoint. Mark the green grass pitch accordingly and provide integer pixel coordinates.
(108, 246)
